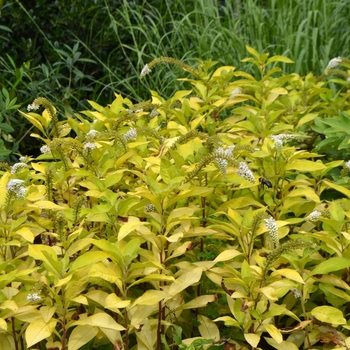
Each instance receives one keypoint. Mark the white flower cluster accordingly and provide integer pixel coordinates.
(134, 111)
(33, 297)
(314, 216)
(45, 149)
(92, 134)
(149, 208)
(235, 92)
(347, 164)
(154, 113)
(33, 107)
(220, 161)
(16, 187)
(145, 71)
(271, 225)
(296, 293)
(17, 167)
(130, 135)
(245, 172)
(89, 146)
(222, 164)
(224, 152)
(334, 62)
(279, 139)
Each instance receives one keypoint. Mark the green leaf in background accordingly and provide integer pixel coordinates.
(6, 128)
(167, 170)
(330, 265)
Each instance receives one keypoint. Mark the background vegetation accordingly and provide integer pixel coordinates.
(73, 51)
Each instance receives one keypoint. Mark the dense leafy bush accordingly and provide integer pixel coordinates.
(190, 222)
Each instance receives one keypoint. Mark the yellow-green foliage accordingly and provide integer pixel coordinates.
(197, 222)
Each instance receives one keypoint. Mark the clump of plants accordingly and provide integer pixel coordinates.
(202, 221)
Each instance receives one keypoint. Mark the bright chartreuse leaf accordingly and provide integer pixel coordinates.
(328, 314)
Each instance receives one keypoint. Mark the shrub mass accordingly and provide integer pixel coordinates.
(208, 220)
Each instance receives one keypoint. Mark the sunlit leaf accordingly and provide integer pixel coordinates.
(304, 165)
(185, 280)
(114, 303)
(33, 120)
(328, 314)
(227, 255)
(39, 330)
(150, 297)
(3, 324)
(101, 320)
(88, 258)
(330, 265)
(201, 301)
(80, 336)
(274, 332)
(278, 58)
(288, 273)
(252, 338)
(207, 328)
(228, 321)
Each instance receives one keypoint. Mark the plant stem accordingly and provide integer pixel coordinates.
(159, 328)
(14, 333)
(302, 301)
(64, 330)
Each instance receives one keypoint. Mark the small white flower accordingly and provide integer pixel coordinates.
(149, 208)
(16, 187)
(334, 62)
(22, 159)
(221, 152)
(271, 225)
(33, 107)
(33, 297)
(279, 139)
(14, 183)
(245, 172)
(145, 71)
(154, 113)
(221, 155)
(18, 167)
(278, 144)
(235, 92)
(130, 135)
(296, 293)
(89, 146)
(284, 137)
(21, 193)
(314, 216)
(222, 164)
(92, 134)
(45, 149)
(347, 164)
(139, 110)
